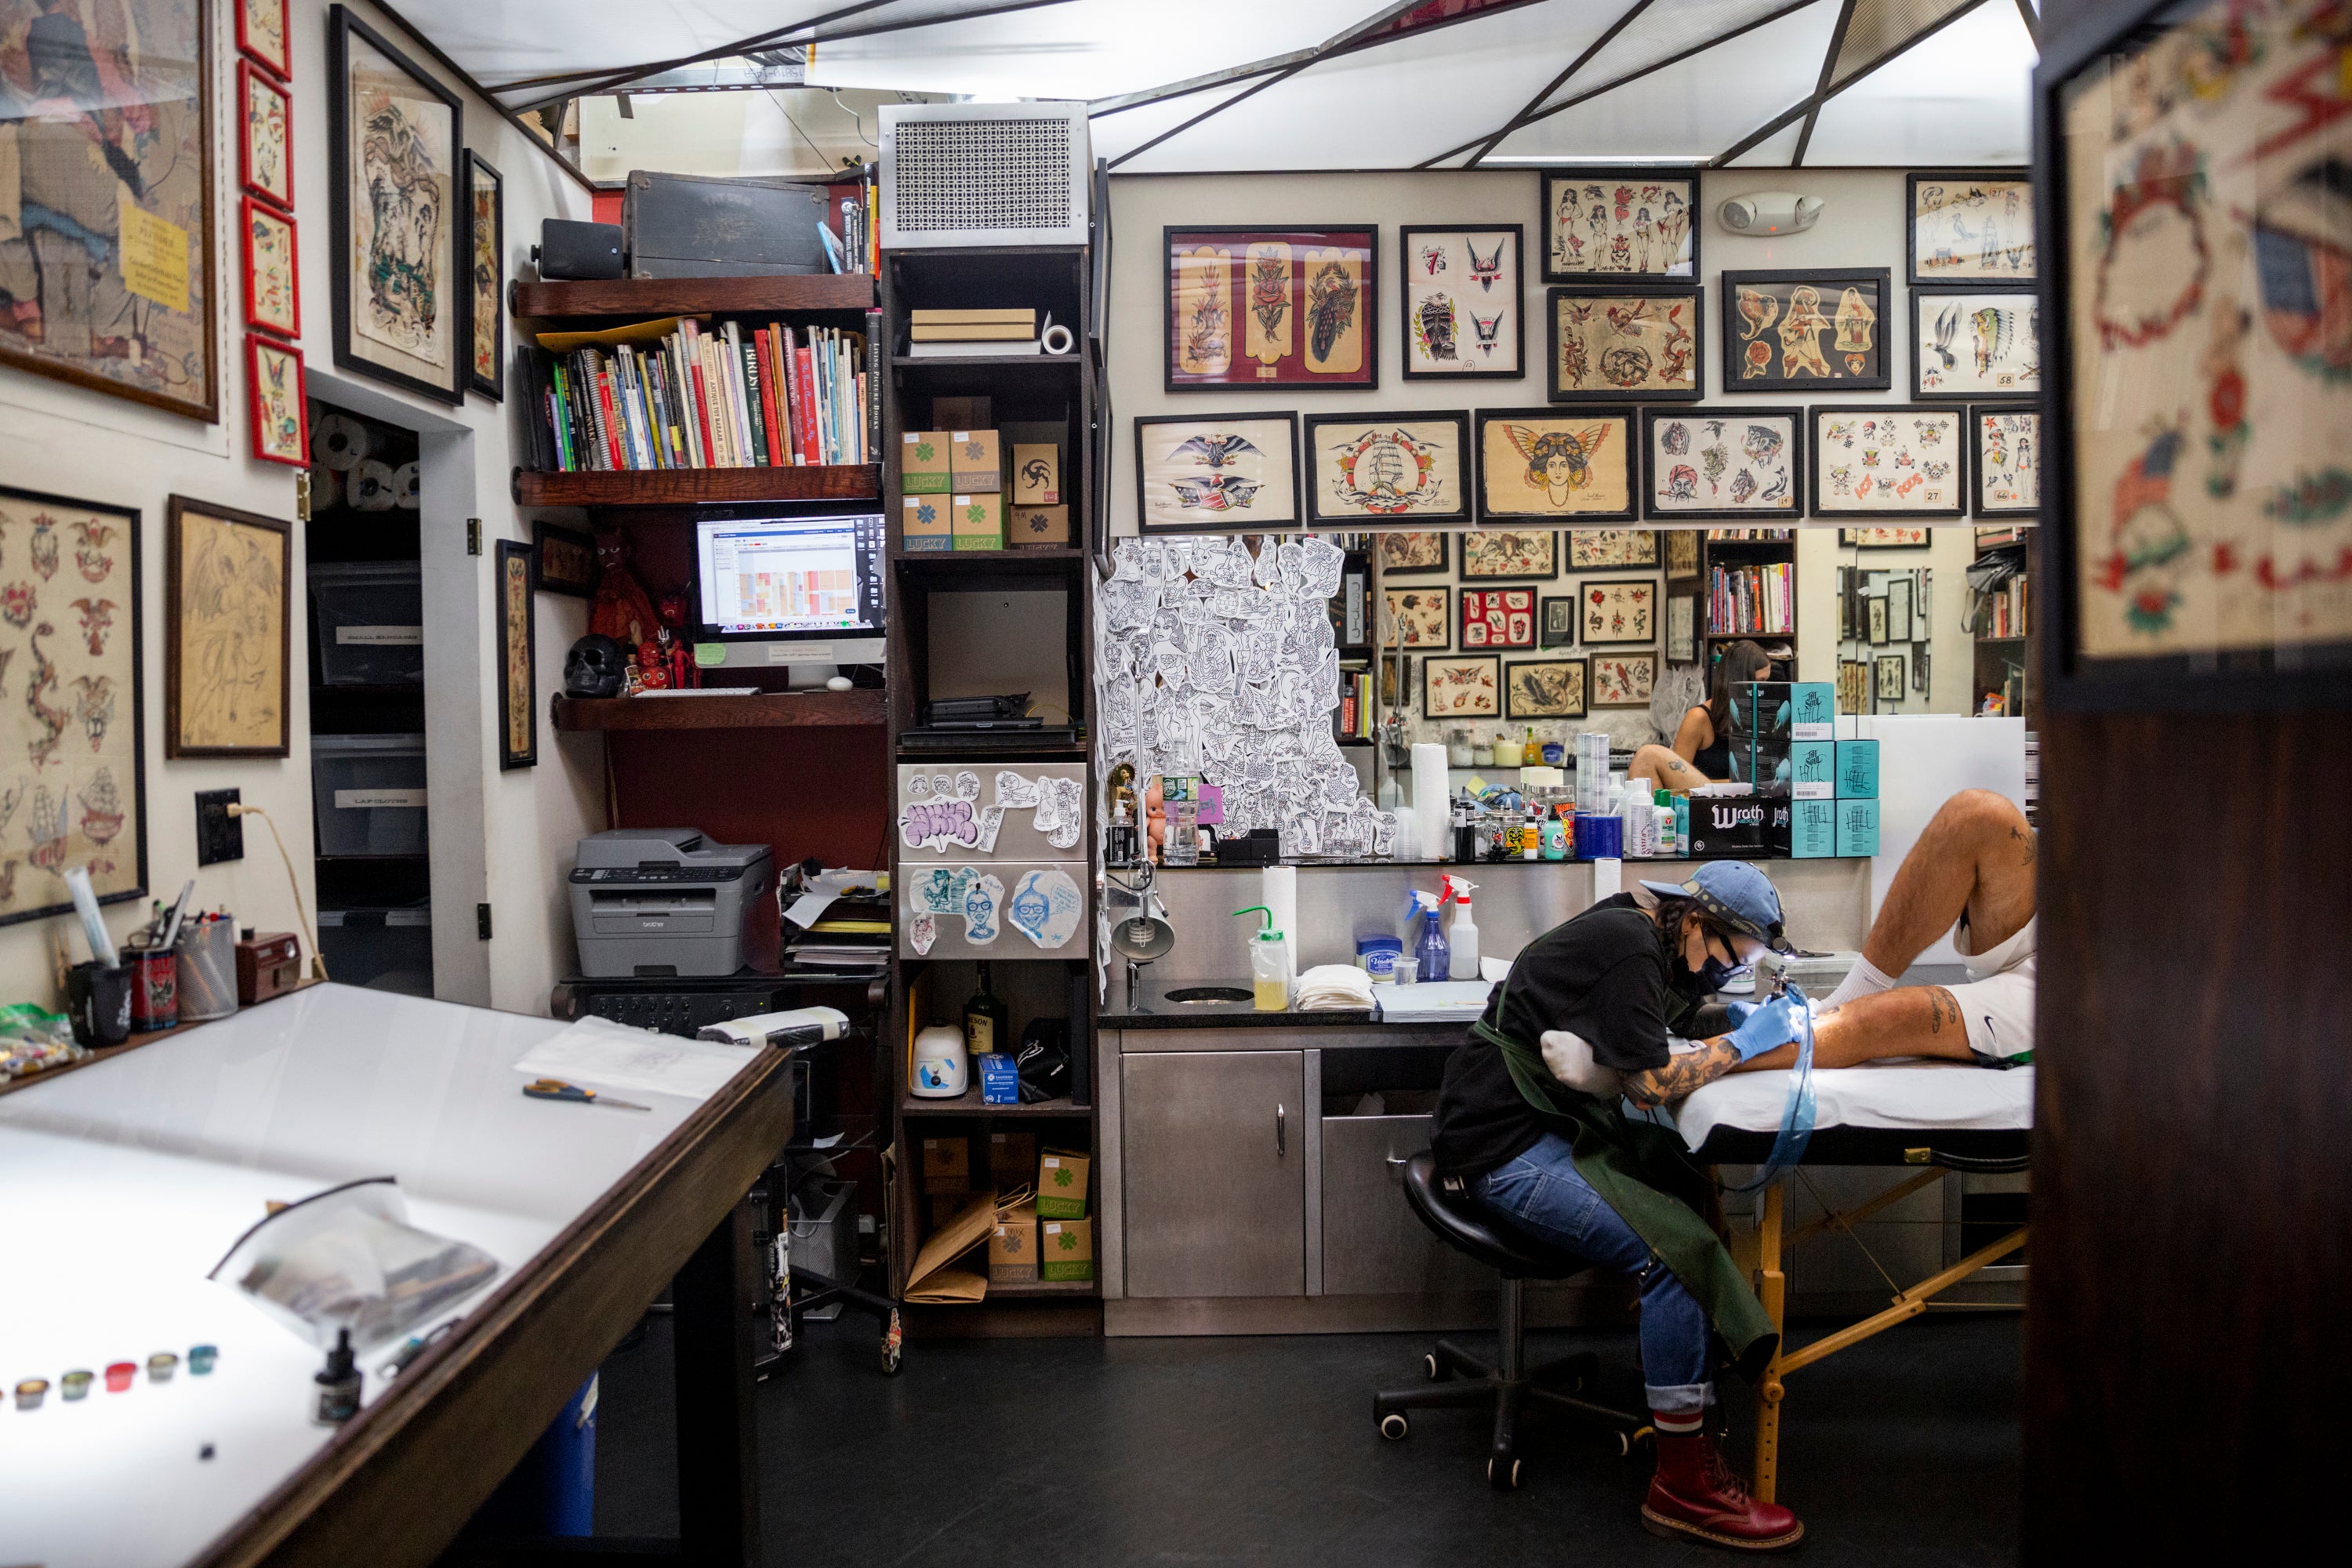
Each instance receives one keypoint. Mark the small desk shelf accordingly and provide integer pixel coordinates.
(767, 710)
(691, 487)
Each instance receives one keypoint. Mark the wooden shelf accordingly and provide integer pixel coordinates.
(652, 297)
(1039, 1287)
(968, 1103)
(691, 487)
(768, 710)
(984, 559)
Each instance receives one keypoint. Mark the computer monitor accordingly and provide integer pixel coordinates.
(800, 592)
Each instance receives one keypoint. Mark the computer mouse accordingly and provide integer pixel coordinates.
(837, 683)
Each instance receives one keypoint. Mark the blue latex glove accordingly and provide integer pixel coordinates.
(1765, 1028)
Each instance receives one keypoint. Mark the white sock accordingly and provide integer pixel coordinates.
(1862, 980)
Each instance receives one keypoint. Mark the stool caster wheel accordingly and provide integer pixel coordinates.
(1503, 1475)
(1393, 1426)
(1435, 1368)
(1640, 1437)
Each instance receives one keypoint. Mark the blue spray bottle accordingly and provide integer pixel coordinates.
(1435, 957)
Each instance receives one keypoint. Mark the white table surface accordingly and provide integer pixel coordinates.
(121, 1184)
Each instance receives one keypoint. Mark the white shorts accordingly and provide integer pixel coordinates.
(1997, 1003)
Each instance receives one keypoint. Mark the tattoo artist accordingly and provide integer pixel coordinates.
(1530, 1121)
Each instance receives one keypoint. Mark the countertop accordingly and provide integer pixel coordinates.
(1155, 1012)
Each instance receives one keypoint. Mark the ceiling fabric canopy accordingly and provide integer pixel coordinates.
(1235, 85)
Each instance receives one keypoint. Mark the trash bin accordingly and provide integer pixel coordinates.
(554, 1491)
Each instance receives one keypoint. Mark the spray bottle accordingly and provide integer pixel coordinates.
(1463, 962)
(1433, 959)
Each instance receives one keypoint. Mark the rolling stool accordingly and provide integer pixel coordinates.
(1446, 1208)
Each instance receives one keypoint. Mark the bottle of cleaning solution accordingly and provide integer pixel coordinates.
(1270, 972)
(1462, 942)
(1434, 958)
(1662, 830)
(1682, 825)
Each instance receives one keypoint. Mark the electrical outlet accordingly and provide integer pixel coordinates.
(219, 835)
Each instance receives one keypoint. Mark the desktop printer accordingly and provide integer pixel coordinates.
(657, 902)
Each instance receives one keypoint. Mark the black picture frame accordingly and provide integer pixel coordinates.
(1831, 281)
(1512, 708)
(1256, 523)
(1657, 615)
(1374, 422)
(1884, 692)
(1363, 236)
(1957, 512)
(1564, 636)
(1618, 175)
(1492, 658)
(513, 556)
(1518, 302)
(1921, 298)
(342, 26)
(1700, 414)
(1580, 415)
(562, 579)
(1502, 579)
(1443, 593)
(2015, 174)
(1555, 298)
(178, 512)
(1978, 414)
(493, 385)
(1391, 569)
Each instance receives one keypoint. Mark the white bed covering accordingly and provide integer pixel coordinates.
(1926, 1095)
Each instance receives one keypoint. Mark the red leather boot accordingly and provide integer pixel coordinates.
(1696, 1496)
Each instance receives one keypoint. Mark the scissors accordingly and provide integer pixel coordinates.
(556, 1089)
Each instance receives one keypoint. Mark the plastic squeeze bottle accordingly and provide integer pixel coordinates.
(1463, 944)
(1270, 973)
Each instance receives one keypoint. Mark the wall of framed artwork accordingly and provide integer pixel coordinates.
(1537, 463)
(1791, 328)
(1641, 222)
(1612, 344)
(1388, 467)
(228, 578)
(1296, 306)
(1545, 688)
(486, 281)
(1461, 296)
(1975, 343)
(1880, 459)
(1212, 475)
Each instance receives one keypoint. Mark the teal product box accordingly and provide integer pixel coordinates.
(926, 545)
(1812, 772)
(1857, 770)
(1812, 710)
(1000, 1080)
(1857, 828)
(1813, 833)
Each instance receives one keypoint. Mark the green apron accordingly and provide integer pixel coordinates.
(1644, 1172)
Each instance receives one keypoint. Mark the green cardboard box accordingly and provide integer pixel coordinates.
(1062, 1184)
(978, 521)
(924, 463)
(1066, 1250)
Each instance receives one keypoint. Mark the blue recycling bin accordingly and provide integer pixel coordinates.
(554, 1491)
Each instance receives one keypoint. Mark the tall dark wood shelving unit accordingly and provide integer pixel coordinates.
(1730, 554)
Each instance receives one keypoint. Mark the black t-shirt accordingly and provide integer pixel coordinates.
(1602, 975)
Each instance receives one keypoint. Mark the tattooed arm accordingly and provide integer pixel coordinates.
(1684, 1073)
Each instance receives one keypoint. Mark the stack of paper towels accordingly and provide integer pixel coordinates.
(1431, 818)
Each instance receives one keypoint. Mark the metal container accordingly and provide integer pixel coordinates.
(205, 955)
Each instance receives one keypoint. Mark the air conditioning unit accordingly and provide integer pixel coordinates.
(983, 173)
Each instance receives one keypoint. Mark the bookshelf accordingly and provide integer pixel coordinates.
(2004, 623)
(1736, 572)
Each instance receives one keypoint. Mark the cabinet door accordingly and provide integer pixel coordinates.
(1215, 1173)
(1374, 1243)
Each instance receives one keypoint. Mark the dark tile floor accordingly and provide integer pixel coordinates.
(1904, 1451)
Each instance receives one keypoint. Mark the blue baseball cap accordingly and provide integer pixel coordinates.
(1736, 893)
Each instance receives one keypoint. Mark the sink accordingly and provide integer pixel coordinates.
(1199, 993)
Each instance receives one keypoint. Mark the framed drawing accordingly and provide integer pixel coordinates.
(1975, 343)
(2008, 457)
(1544, 688)
(1389, 468)
(1890, 680)
(1498, 617)
(261, 35)
(1410, 554)
(564, 561)
(1898, 610)
(1457, 688)
(1591, 549)
(1619, 611)
(518, 659)
(1875, 620)
(1237, 474)
(1967, 227)
(1418, 619)
(1852, 686)
(264, 143)
(1267, 307)
(394, 137)
(228, 576)
(1889, 459)
(1607, 346)
(73, 758)
(1624, 680)
(1639, 221)
(273, 379)
(485, 292)
(1558, 623)
(1490, 554)
(1682, 628)
(115, 291)
(1551, 463)
(1681, 552)
(1461, 293)
(273, 276)
(1805, 328)
(1882, 539)
(1727, 464)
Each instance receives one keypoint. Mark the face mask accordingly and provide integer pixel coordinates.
(1714, 974)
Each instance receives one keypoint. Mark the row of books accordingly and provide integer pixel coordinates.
(2000, 611)
(738, 396)
(1761, 600)
(1355, 722)
(1752, 536)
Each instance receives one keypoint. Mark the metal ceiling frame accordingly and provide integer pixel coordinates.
(1822, 83)
(1811, 106)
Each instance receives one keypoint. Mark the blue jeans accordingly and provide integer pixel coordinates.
(1541, 1192)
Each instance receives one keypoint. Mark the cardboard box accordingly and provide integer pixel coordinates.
(1764, 763)
(1037, 527)
(947, 1166)
(943, 1207)
(1036, 474)
(1062, 1185)
(1766, 711)
(1731, 828)
(976, 460)
(1857, 828)
(1812, 770)
(964, 413)
(1011, 1160)
(1814, 711)
(1012, 1247)
(924, 463)
(924, 525)
(1813, 833)
(1066, 1250)
(1000, 1080)
(978, 521)
(1857, 770)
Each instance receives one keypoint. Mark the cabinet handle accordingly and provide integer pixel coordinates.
(1281, 1129)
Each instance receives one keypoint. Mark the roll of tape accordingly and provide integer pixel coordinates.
(403, 486)
(1057, 340)
(339, 442)
(370, 486)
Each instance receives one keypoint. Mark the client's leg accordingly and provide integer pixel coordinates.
(1664, 768)
(1975, 858)
(1916, 1021)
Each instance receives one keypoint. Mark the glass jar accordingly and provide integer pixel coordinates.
(1459, 750)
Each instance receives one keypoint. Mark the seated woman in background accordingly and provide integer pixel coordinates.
(1702, 749)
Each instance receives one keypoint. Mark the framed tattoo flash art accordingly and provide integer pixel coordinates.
(273, 381)
(1544, 688)
(1883, 538)
(1558, 623)
(261, 34)
(1971, 226)
(228, 576)
(1268, 308)
(1624, 680)
(1599, 548)
(1490, 554)
(1538, 463)
(395, 139)
(1455, 688)
(1722, 463)
(1889, 459)
(273, 278)
(1890, 679)
(518, 659)
(485, 291)
(1681, 552)
(1623, 222)
(1805, 328)
(113, 290)
(1462, 292)
(1417, 618)
(1852, 686)
(564, 561)
(1682, 628)
(264, 144)
(70, 632)
(1615, 344)
(2008, 461)
(1975, 343)
(1389, 468)
(1411, 554)
(1237, 474)
(1498, 617)
(1619, 611)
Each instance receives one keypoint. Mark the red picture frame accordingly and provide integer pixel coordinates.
(259, 388)
(1498, 619)
(248, 77)
(282, 66)
(248, 212)
(1214, 337)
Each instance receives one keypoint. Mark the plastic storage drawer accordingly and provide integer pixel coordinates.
(383, 949)
(369, 793)
(369, 617)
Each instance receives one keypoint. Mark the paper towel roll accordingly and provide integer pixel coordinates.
(1608, 879)
(1429, 797)
(1278, 891)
